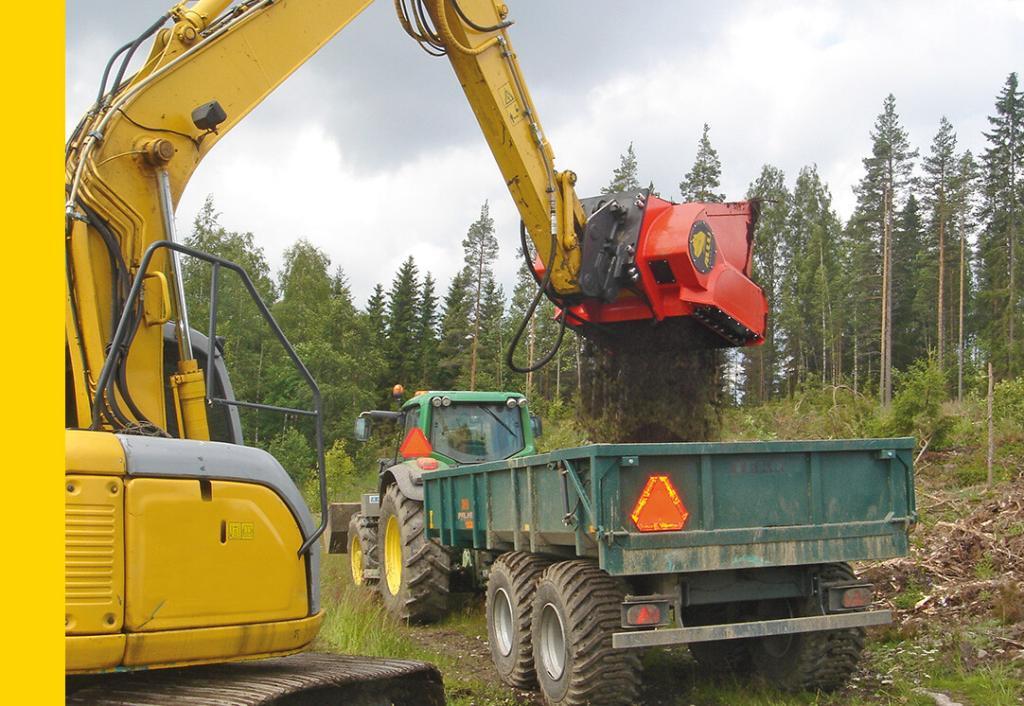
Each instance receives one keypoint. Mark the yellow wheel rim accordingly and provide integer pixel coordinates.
(355, 555)
(393, 555)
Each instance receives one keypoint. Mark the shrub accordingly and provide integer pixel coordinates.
(917, 408)
(295, 454)
(1008, 403)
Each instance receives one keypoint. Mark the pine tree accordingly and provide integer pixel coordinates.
(807, 314)
(881, 193)
(701, 183)
(377, 315)
(456, 330)
(770, 189)
(1001, 270)
(403, 325)
(426, 333)
(940, 172)
(358, 366)
(964, 202)
(624, 178)
(914, 314)
(491, 372)
(522, 294)
(480, 247)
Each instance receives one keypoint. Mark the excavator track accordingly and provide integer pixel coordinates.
(298, 680)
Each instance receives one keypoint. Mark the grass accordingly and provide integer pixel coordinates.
(941, 662)
(932, 655)
(895, 664)
(909, 596)
(356, 623)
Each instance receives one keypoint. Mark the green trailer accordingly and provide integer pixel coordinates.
(747, 505)
(589, 555)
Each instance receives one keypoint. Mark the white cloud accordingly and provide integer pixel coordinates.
(302, 184)
(791, 84)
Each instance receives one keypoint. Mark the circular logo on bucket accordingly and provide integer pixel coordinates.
(702, 247)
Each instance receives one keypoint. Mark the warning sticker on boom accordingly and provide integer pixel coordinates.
(508, 101)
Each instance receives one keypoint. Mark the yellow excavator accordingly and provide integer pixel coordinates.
(185, 547)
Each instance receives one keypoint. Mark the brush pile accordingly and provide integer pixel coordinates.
(966, 566)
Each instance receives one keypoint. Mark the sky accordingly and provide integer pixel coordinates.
(371, 152)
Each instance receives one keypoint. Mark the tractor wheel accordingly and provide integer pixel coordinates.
(511, 585)
(576, 610)
(719, 656)
(362, 550)
(810, 661)
(413, 570)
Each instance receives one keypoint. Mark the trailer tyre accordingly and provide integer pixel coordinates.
(576, 610)
(511, 586)
(362, 550)
(414, 571)
(812, 661)
(718, 656)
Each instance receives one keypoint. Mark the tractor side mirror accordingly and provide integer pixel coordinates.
(536, 426)
(362, 431)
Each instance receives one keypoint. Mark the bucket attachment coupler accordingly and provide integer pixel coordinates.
(646, 260)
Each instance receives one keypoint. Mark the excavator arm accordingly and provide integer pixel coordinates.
(128, 163)
(609, 263)
(218, 514)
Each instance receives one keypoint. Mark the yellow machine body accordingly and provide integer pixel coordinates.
(169, 571)
(164, 570)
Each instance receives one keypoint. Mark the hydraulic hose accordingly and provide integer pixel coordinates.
(530, 311)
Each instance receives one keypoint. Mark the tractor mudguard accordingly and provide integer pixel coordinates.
(409, 478)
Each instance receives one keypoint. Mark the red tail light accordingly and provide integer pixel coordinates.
(643, 614)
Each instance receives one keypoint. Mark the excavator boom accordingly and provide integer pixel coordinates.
(141, 451)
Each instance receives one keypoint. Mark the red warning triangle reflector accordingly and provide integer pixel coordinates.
(415, 444)
(659, 509)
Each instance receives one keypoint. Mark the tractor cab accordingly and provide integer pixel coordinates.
(459, 427)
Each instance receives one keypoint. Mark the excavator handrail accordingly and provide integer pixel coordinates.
(217, 262)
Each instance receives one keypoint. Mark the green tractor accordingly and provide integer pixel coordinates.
(385, 534)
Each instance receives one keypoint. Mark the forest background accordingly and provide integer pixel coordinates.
(880, 325)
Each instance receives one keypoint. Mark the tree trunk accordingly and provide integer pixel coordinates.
(1011, 309)
(856, 360)
(476, 320)
(579, 368)
(529, 364)
(940, 305)
(960, 333)
(259, 398)
(991, 429)
(558, 374)
(885, 349)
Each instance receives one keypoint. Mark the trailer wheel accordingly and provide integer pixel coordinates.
(720, 656)
(511, 585)
(362, 550)
(413, 570)
(812, 661)
(576, 610)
